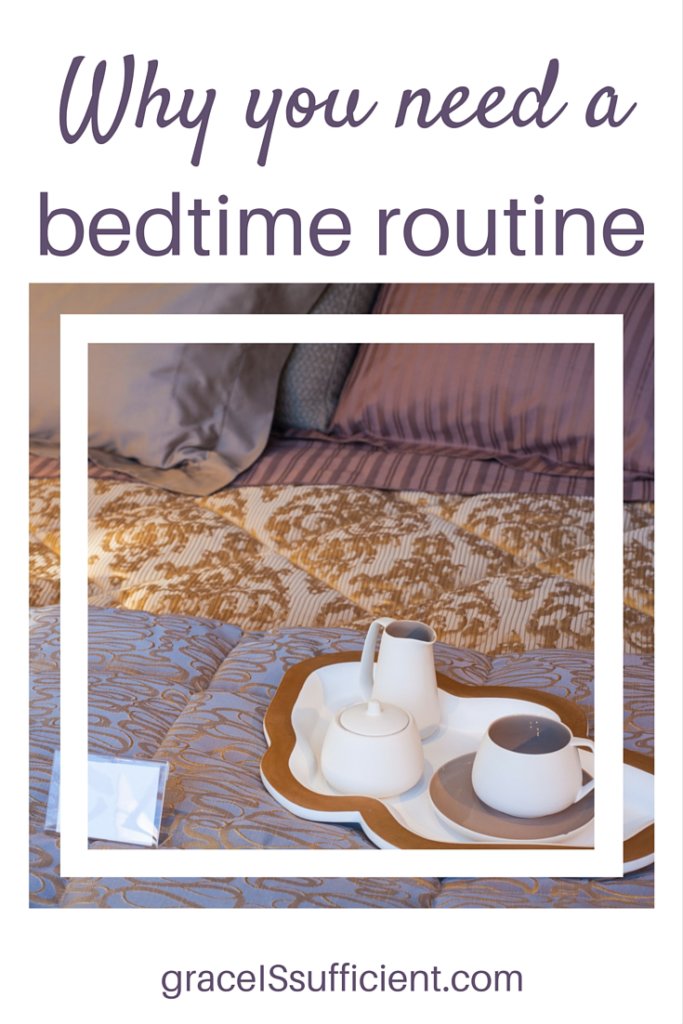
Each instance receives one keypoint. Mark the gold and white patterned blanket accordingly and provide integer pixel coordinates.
(496, 573)
(302, 569)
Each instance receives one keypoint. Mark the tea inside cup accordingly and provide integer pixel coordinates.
(526, 734)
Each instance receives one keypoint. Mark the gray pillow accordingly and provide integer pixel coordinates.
(47, 301)
(315, 373)
(346, 298)
(188, 418)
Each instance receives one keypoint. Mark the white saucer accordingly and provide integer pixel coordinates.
(456, 803)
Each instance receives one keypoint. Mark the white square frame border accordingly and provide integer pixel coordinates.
(605, 333)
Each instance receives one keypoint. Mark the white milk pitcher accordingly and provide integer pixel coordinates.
(405, 673)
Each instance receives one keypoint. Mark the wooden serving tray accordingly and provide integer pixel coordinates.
(313, 691)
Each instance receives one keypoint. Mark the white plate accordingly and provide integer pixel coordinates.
(455, 802)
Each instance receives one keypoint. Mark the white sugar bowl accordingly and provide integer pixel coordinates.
(372, 749)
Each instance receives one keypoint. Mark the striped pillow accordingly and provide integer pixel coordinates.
(527, 406)
(634, 301)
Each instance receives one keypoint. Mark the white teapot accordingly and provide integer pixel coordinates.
(372, 749)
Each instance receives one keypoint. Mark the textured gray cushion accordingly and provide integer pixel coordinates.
(315, 373)
(346, 298)
(311, 382)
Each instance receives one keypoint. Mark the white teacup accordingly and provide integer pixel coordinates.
(529, 766)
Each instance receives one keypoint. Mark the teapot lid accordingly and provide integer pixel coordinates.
(374, 719)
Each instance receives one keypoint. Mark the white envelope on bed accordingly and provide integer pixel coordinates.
(125, 799)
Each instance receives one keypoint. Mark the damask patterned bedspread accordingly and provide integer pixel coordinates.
(193, 692)
(298, 571)
(495, 573)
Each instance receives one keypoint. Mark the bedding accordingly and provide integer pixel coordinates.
(193, 692)
(188, 418)
(529, 406)
(311, 383)
(633, 302)
(495, 573)
(199, 602)
(49, 301)
(314, 374)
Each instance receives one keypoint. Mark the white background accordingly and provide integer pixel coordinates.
(107, 965)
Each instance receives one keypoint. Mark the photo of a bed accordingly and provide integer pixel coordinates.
(255, 506)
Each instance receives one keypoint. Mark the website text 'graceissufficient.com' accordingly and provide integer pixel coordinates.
(338, 978)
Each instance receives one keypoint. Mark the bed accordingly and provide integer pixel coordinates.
(376, 480)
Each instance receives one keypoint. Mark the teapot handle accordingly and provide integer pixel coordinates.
(367, 660)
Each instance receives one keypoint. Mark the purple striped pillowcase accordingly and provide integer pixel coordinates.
(635, 302)
(529, 407)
